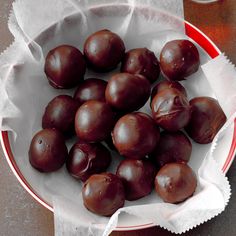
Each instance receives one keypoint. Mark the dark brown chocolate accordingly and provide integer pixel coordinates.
(65, 67)
(103, 194)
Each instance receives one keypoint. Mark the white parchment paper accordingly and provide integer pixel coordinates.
(42, 25)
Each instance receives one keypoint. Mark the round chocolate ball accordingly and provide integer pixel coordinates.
(127, 92)
(65, 67)
(86, 159)
(137, 176)
(179, 59)
(94, 121)
(135, 135)
(48, 151)
(91, 89)
(103, 194)
(172, 147)
(206, 120)
(175, 182)
(166, 84)
(141, 61)
(171, 110)
(60, 114)
(104, 50)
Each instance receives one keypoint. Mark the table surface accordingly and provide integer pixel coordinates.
(22, 215)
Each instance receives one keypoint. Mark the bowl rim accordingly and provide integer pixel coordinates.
(191, 31)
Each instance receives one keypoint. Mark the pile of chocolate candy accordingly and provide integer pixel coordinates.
(107, 112)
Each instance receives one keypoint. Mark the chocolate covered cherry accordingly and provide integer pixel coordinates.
(65, 67)
(135, 135)
(104, 50)
(172, 147)
(91, 89)
(179, 59)
(137, 176)
(60, 114)
(94, 121)
(127, 92)
(175, 182)
(141, 61)
(166, 84)
(206, 120)
(48, 151)
(86, 159)
(103, 194)
(171, 110)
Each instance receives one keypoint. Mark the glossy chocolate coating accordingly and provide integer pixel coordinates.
(166, 84)
(86, 159)
(175, 182)
(103, 194)
(94, 121)
(104, 50)
(48, 151)
(60, 114)
(135, 135)
(65, 67)
(127, 92)
(91, 89)
(137, 176)
(171, 110)
(141, 61)
(172, 147)
(206, 120)
(179, 59)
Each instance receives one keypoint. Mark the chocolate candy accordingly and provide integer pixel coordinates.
(179, 59)
(60, 114)
(94, 121)
(127, 92)
(171, 110)
(135, 135)
(165, 84)
(206, 120)
(172, 147)
(103, 194)
(175, 182)
(137, 176)
(48, 151)
(104, 50)
(65, 67)
(141, 61)
(91, 89)
(86, 159)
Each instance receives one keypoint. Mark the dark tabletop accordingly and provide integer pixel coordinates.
(21, 215)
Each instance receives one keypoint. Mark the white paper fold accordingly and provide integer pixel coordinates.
(42, 25)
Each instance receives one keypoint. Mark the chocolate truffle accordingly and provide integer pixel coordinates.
(171, 110)
(179, 59)
(141, 61)
(94, 121)
(65, 67)
(172, 147)
(137, 176)
(104, 50)
(86, 159)
(103, 194)
(135, 135)
(127, 92)
(206, 120)
(175, 182)
(48, 151)
(60, 114)
(165, 84)
(91, 89)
